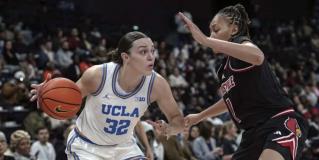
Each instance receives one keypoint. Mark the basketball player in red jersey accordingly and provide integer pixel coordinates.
(251, 93)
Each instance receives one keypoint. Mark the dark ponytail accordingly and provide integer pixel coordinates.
(237, 15)
(114, 56)
(124, 45)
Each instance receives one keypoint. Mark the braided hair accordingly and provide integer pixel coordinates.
(238, 16)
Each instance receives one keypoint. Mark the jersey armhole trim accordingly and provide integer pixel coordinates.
(150, 87)
(101, 86)
(240, 69)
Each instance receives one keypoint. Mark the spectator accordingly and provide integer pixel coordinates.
(9, 96)
(174, 150)
(177, 80)
(33, 121)
(64, 56)
(229, 144)
(204, 146)
(3, 147)
(46, 54)
(20, 145)
(42, 148)
(186, 145)
(20, 47)
(74, 39)
(73, 72)
(193, 134)
(85, 43)
(9, 54)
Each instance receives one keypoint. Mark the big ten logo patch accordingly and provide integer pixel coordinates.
(140, 99)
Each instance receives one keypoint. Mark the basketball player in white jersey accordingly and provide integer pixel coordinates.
(118, 93)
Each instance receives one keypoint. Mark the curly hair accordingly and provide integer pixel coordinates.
(16, 137)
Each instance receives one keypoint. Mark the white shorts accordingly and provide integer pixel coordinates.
(81, 148)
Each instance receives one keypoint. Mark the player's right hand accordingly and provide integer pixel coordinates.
(197, 34)
(192, 119)
(36, 87)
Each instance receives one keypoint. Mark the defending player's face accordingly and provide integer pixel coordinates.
(141, 56)
(220, 28)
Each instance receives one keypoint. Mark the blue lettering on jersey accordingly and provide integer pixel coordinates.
(116, 110)
(135, 113)
(119, 111)
(106, 110)
(126, 114)
(117, 127)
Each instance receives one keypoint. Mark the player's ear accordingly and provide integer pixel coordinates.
(234, 30)
(124, 56)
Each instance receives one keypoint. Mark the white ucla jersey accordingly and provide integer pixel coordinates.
(109, 116)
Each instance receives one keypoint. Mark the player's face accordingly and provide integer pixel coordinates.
(141, 56)
(220, 28)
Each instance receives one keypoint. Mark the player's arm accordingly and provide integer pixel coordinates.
(139, 129)
(213, 110)
(90, 80)
(162, 94)
(246, 51)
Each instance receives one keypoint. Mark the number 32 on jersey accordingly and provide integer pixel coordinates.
(117, 127)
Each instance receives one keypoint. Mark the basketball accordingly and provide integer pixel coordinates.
(60, 98)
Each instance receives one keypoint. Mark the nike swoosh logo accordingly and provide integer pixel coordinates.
(59, 109)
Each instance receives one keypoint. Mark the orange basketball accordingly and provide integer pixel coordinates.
(60, 98)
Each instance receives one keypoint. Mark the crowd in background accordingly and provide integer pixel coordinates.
(29, 52)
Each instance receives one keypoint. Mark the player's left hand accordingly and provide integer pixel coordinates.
(197, 34)
(160, 126)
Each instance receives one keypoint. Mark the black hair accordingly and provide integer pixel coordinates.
(190, 138)
(205, 129)
(125, 44)
(41, 128)
(237, 15)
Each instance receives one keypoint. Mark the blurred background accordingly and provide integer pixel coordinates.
(65, 37)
